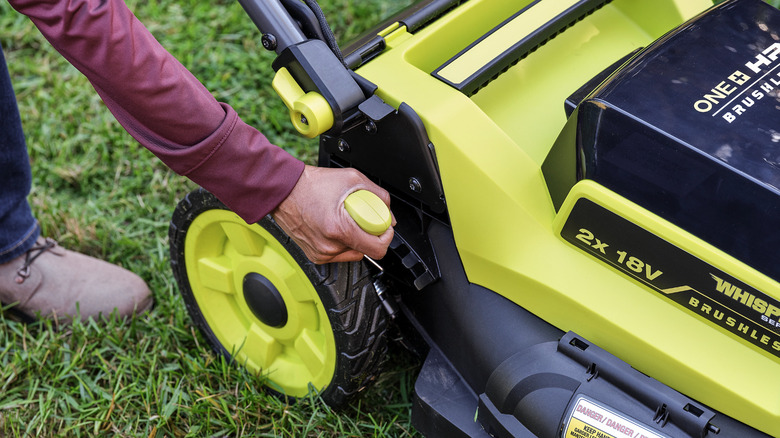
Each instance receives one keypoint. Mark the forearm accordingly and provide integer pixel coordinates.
(163, 106)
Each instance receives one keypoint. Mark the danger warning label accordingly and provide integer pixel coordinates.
(592, 420)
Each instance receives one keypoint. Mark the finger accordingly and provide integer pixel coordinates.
(372, 187)
(384, 241)
(370, 245)
(383, 194)
(321, 251)
(347, 256)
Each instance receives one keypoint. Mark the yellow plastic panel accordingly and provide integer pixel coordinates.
(706, 357)
(469, 62)
(489, 150)
(446, 38)
(533, 117)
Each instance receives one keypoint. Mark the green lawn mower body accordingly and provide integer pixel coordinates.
(587, 202)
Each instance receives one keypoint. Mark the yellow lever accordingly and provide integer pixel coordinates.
(369, 211)
(310, 113)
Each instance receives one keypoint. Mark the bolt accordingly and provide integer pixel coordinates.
(269, 41)
(343, 145)
(370, 127)
(414, 185)
(304, 120)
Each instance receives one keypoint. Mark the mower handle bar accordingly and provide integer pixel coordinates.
(272, 18)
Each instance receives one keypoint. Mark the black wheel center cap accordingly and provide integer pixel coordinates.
(264, 300)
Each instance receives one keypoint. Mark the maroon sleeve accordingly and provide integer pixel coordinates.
(163, 106)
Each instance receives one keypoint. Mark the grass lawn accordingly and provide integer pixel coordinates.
(99, 192)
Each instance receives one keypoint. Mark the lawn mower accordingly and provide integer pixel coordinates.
(587, 204)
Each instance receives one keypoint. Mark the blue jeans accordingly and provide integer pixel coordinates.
(18, 227)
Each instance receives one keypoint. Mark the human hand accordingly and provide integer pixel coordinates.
(313, 215)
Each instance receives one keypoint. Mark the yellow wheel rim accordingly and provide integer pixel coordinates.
(227, 261)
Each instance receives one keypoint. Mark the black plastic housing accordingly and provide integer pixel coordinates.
(689, 130)
(496, 370)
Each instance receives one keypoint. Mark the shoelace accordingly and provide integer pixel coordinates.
(32, 254)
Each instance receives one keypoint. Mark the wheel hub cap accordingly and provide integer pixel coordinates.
(264, 300)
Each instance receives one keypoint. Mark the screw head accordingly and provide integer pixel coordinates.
(414, 185)
(343, 145)
(269, 41)
(370, 127)
(304, 120)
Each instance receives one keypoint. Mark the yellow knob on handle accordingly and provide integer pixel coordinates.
(310, 113)
(369, 211)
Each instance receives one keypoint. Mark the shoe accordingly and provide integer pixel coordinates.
(53, 282)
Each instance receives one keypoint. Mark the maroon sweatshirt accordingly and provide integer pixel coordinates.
(163, 106)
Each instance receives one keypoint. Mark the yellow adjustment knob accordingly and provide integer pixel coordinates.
(369, 211)
(310, 113)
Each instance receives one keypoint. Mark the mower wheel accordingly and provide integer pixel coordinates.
(260, 302)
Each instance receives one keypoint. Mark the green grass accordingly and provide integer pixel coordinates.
(97, 191)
